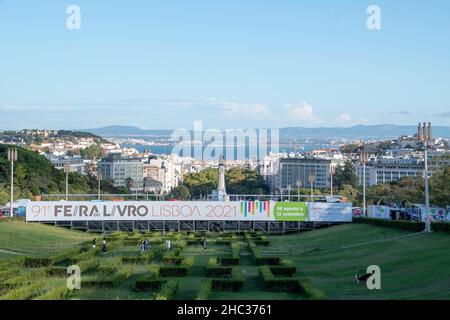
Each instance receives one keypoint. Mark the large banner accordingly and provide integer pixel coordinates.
(186, 210)
(330, 212)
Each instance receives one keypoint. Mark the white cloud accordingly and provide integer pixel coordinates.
(301, 112)
(238, 110)
(344, 118)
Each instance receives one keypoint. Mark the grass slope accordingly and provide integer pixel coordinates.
(413, 267)
(18, 238)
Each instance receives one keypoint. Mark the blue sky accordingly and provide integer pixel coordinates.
(231, 64)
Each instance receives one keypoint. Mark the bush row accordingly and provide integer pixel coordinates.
(58, 293)
(233, 259)
(261, 260)
(405, 225)
(167, 291)
(205, 290)
(107, 282)
(440, 227)
(142, 259)
(278, 284)
(214, 269)
(24, 293)
(233, 283)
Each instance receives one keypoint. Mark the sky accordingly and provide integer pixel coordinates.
(230, 63)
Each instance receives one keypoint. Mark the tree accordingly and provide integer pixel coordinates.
(345, 175)
(180, 193)
(129, 184)
(92, 152)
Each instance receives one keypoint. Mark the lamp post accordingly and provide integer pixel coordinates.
(332, 171)
(425, 136)
(312, 179)
(12, 157)
(364, 158)
(67, 171)
(299, 184)
(99, 179)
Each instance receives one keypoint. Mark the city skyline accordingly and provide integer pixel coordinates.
(231, 65)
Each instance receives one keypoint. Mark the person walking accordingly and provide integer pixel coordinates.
(104, 246)
(142, 246)
(94, 243)
(203, 243)
(146, 245)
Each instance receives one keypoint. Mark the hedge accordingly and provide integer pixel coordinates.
(88, 265)
(7, 274)
(137, 259)
(58, 293)
(204, 290)
(310, 291)
(37, 262)
(278, 284)
(24, 293)
(107, 282)
(234, 283)
(173, 271)
(215, 270)
(150, 281)
(55, 271)
(167, 291)
(405, 225)
(440, 227)
(234, 258)
(262, 260)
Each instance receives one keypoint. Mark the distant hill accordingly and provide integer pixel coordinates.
(362, 131)
(358, 131)
(112, 131)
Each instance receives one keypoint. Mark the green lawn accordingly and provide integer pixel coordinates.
(413, 266)
(18, 238)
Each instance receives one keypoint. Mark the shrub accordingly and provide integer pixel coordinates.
(234, 283)
(88, 265)
(310, 291)
(24, 293)
(286, 268)
(278, 284)
(150, 281)
(58, 293)
(37, 262)
(405, 225)
(8, 273)
(167, 291)
(137, 259)
(440, 227)
(215, 270)
(173, 271)
(54, 271)
(205, 290)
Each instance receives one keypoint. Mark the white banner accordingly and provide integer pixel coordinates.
(330, 212)
(187, 211)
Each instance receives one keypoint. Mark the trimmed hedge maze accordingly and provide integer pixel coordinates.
(184, 271)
